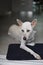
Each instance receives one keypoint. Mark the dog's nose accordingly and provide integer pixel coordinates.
(24, 38)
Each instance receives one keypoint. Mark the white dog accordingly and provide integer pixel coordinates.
(24, 32)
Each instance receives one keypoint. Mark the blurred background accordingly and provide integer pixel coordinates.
(10, 10)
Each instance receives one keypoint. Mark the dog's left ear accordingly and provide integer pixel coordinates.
(34, 22)
(19, 22)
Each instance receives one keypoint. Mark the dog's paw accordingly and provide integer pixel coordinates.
(31, 44)
(37, 56)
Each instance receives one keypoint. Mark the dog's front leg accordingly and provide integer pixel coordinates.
(23, 46)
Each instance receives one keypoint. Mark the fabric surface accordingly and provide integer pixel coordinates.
(16, 53)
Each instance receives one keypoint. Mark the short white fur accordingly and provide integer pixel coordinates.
(14, 29)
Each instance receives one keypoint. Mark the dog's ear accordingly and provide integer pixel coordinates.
(34, 22)
(19, 22)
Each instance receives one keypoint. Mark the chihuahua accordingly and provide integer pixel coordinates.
(25, 33)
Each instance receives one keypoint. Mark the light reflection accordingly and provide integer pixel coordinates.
(30, 14)
(22, 13)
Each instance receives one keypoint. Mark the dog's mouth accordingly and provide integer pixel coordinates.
(24, 38)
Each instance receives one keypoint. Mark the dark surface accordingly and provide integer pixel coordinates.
(15, 53)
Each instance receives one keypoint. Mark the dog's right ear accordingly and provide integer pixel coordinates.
(19, 22)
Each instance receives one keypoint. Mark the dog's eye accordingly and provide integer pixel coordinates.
(28, 30)
(22, 30)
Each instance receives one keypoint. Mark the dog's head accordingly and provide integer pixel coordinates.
(27, 27)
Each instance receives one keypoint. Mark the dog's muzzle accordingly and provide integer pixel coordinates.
(24, 38)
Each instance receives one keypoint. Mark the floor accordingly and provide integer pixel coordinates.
(6, 21)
